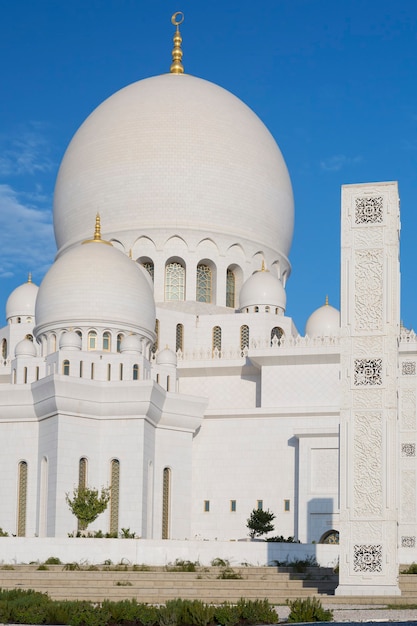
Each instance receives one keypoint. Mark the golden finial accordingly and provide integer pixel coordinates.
(30, 277)
(176, 65)
(263, 268)
(326, 302)
(130, 254)
(97, 233)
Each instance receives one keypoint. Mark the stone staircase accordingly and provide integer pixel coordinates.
(157, 585)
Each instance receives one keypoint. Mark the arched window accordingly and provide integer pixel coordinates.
(276, 334)
(166, 502)
(179, 338)
(66, 368)
(82, 481)
(230, 288)
(267, 309)
(37, 373)
(81, 369)
(217, 338)
(121, 371)
(92, 340)
(244, 337)
(22, 498)
(19, 319)
(25, 375)
(204, 283)
(109, 371)
(119, 341)
(331, 536)
(156, 344)
(82, 473)
(106, 341)
(149, 267)
(4, 349)
(174, 281)
(114, 496)
(256, 309)
(92, 371)
(53, 343)
(136, 372)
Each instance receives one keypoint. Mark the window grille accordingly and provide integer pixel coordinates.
(204, 280)
(22, 499)
(217, 338)
(230, 289)
(179, 338)
(244, 337)
(106, 342)
(149, 267)
(174, 281)
(166, 497)
(276, 334)
(92, 340)
(114, 496)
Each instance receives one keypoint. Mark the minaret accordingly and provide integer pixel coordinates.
(370, 325)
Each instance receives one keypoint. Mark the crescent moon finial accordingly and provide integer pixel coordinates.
(176, 65)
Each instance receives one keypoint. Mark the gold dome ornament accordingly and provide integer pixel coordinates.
(176, 65)
(97, 234)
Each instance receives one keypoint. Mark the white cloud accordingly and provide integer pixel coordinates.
(26, 152)
(26, 234)
(338, 162)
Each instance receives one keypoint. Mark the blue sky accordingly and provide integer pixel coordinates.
(334, 81)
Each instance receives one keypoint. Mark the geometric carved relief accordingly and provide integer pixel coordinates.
(365, 398)
(408, 542)
(368, 210)
(367, 464)
(367, 558)
(409, 368)
(368, 289)
(368, 372)
(408, 449)
(408, 496)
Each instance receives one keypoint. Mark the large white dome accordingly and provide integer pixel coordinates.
(92, 285)
(176, 153)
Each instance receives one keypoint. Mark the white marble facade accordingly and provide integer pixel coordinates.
(164, 365)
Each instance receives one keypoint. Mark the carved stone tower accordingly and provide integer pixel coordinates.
(370, 327)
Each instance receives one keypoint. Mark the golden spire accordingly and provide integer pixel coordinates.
(97, 233)
(30, 277)
(326, 302)
(176, 65)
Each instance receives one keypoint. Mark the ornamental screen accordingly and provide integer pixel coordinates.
(174, 281)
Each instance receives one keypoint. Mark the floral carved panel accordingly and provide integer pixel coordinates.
(368, 465)
(408, 368)
(367, 372)
(368, 289)
(408, 496)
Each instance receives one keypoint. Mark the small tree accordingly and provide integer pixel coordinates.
(87, 504)
(260, 522)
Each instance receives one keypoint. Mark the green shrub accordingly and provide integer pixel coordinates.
(226, 614)
(228, 573)
(140, 567)
(42, 566)
(182, 566)
(53, 560)
(308, 610)
(412, 569)
(256, 611)
(3, 533)
(218, 562)
(71, 567)
(123, 583)
(7, 567)
(281, 539)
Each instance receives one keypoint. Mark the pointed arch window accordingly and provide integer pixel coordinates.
(22, 498)
(119, 341)
(230, 288)
(114, 496)
(149, 267)
(179, 338)
(166, 502)
(204, 283)
(174, 281)
(136, 372)
(276, 334)
(244, 337)
(4, 349)
(92, 340)
(106, 341)
(66, 367)
(217, 338)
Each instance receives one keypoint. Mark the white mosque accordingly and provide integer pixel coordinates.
(156, 356)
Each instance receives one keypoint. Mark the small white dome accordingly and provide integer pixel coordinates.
(166, 357)
(262, 289)
(25, 347)
(131, 343)
(21, 302)
(95, 284)
(70, 340)
(323, 322)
